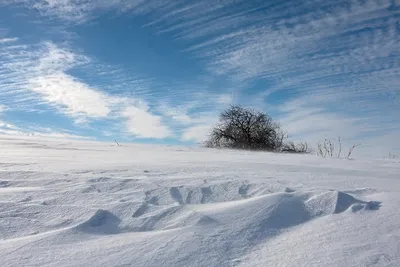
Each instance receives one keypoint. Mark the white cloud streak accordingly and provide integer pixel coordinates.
(74, 97)
(7, 40)
(143, 124)
(40, 76)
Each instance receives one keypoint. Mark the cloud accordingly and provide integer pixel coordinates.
(350, 49)
(73, 97)
(78, 11)
(308, 117)
(7, 126)
(2, 108)
(38, 75)
(8, 40)
(200, 126)
(32, 130)
(69, 10)
(40, 72)
(14, 131)
(312, 119)
(143, 124)
(380, 146)
(176, 114)
(198, 133)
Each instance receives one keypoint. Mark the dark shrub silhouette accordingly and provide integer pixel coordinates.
(241, 128)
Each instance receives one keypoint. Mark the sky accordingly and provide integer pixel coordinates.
(157, 71)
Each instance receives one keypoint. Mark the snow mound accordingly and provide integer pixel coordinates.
(165, 218)
(262, 214)
(102, 222)
(332, 202)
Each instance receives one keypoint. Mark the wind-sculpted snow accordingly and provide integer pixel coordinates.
(276, 211)
(96, 204)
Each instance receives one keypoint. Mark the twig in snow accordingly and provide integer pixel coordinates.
(351, 150)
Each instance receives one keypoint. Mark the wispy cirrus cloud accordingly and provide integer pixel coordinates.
(15, 131)
(71, 96)
(7, 128)
(2, 108)
(346, 52)
(7, 40)
(40, 76)
(327, 67)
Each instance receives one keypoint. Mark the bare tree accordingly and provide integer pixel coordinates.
(242, 128)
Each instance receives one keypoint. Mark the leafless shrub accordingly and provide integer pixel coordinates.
(327, 149)
(301, 148)
(241, 128)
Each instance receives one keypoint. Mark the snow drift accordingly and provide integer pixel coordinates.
(96, 204)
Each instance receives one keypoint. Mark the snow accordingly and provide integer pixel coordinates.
(86, 203)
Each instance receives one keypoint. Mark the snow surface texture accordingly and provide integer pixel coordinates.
(74, 203)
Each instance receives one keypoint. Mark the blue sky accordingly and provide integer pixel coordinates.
(161, 71)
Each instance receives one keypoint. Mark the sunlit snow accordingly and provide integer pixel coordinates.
(81, 203)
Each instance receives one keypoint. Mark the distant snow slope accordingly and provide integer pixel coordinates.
(74, 203)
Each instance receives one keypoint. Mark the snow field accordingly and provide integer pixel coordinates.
(81, 203)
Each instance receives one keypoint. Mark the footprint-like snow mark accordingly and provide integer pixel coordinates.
(244, 189)
(370, 205)
(187, 195)
(212, 193)
(102, 222)
(289, 190)
(206, 194)
(141, 210)
(150, 202)
(176, 195)
(4, 183)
